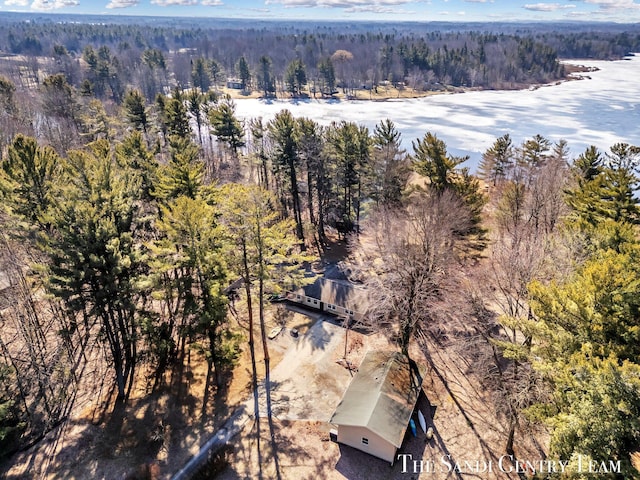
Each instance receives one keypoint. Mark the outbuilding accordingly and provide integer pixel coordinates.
(375, 410)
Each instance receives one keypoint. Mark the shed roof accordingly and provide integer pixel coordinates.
(382, 395)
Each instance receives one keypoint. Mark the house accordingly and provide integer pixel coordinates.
(235, 84)
(336, 297)
(375, 410)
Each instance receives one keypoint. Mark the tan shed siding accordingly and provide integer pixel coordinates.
(378, 447)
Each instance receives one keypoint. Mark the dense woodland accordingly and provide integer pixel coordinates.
(132, 198)
(104, 60)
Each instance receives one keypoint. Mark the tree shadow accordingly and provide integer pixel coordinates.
(152, 431)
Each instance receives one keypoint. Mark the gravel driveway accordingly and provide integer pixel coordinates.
(307, 384)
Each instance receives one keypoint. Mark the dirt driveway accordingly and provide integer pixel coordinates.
(307, 384)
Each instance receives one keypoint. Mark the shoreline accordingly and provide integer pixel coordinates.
(573, 72)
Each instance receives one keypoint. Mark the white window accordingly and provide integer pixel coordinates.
(365, 441)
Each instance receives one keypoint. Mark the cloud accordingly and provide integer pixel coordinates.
(611, 5)
(18, 3)
(122, 3)
(375, 9)
(212, 3)
(167, 3)
(546, 7)
(351, 5)
(53, 4)
(479, 1)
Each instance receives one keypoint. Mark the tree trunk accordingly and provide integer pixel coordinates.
(252, 350)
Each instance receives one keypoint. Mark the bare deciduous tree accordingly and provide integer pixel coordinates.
(409, 272)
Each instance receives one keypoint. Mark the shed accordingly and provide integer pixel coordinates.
(375, 410)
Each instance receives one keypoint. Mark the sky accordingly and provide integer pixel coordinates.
(624, 11)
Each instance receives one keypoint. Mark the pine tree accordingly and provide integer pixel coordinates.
(349, 148)
(244, 73)
(497, 160)
(200, 74)
(603, 195)
(283, 135)
(295, 77)
(183, 175)
(135, 110)
(430, 159)
(132, 154)
(30, 172)
(94, 258)
(225, 125)
(266, 258)
(391, 167)
(189, 259)
(266, 81)
(175, 117)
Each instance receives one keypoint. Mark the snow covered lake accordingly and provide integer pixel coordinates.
(600, 110)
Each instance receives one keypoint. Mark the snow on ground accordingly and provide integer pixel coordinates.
(602, 109)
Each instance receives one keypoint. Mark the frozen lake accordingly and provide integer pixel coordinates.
(600, 110)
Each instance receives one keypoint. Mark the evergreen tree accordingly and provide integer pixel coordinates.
(183, 175)
(295, 77)
(135, 110)
(430, 159)
(535, 151)
(603, 195)
(94, 258)
(497, 160)
(391, 168)
(196, 104)
(283, 135)
(266, 81)
(132, 154)
(244, 73)
(190, 255)
(310, 148)
(328, 76)
(31, 171)
(175, 116)
(225, 125)
(200, 74)
(7, 99)
(267, 259)
(348, 147)
(11, 425)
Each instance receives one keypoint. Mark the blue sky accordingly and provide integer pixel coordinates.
(383, 10)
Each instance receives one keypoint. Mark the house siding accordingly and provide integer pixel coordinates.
(312, 302)
(377, 446)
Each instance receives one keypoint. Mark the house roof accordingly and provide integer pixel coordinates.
(381, 396)
(337, 292)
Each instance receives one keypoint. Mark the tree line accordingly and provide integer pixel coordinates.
(106, 60)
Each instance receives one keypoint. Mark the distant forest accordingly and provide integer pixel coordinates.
(302, 58)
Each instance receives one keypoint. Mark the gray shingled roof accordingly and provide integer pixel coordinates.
(336, 292)
(381, 397)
